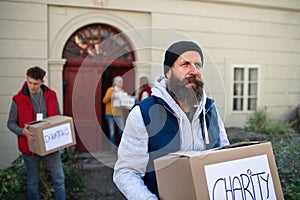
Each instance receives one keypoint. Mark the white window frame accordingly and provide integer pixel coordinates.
(246, 82)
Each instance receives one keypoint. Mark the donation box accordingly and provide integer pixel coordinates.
(243, 171)
(52, 134)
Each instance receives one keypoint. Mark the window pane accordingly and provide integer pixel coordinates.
(238, 89)
(238, 74)
(252, 90)
(237, 104)
(253, 75)
(252, 103)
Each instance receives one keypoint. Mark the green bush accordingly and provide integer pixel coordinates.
(260, 122)
(287, 154)
(286, 149)
(13, 179)
(73, 170)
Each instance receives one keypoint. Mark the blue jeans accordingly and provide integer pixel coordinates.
(111, 120)
(54, 165)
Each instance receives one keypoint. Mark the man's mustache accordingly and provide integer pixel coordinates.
(193, 79)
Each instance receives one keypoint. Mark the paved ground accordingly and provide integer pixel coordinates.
(97, 176)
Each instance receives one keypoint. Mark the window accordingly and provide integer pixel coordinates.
(99, 41)
(245, 87)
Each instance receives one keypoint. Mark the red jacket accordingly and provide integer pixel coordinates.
(26, 112)
(146, 89)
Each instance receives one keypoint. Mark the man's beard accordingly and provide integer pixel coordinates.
(190, 96)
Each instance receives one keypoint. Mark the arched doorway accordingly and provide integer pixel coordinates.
(99, 52)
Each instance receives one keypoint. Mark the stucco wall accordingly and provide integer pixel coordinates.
(265, 33)
(23, 43)
(239, 34)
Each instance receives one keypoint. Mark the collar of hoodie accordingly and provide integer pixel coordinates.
(160, 91)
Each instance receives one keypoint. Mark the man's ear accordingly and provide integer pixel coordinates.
(168, 74)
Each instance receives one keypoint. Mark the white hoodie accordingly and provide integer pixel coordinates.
(133, 154)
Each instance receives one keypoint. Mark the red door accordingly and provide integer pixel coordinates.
(82, 101)
(95, 54)
(84, 88)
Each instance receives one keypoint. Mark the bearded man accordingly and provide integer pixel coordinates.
(177, 117)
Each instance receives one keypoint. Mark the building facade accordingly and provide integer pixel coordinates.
(252, 53)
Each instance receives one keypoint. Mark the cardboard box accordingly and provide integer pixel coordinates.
(52, 134)
(242, 171)
(128, 101)
(122, 99)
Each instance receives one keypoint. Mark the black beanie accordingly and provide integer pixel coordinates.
(178, 48)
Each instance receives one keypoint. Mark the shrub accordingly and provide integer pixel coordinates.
(287, 154)
(73, 172)
(286, 148)
(13, 179)
(260, 122)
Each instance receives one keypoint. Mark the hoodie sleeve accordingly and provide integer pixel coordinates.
(223, 136)
(133, 158)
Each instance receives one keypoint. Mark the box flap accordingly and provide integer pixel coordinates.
(190, 153)
(37, 123)
(58, 118)
(240, 144)
(164, 161)
(201, 153)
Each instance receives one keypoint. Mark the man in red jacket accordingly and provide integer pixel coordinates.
(36, 101)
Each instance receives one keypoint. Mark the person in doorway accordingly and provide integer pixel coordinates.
(144, 90)
(178, 116)
(36, 101)
(113, 109)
